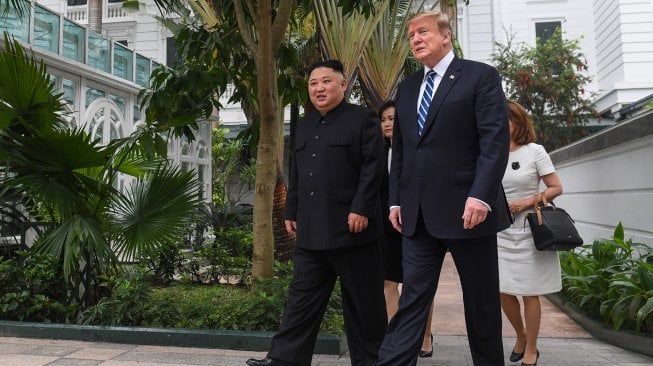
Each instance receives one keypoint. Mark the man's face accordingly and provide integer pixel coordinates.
(326, 88)
(428, 44)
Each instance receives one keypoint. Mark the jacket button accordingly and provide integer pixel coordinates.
(313, 154)
(317, 137)
(310, 174)
(312, 193)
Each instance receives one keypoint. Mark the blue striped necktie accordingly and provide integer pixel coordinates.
(426, 101)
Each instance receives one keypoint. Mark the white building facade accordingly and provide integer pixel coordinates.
(100, 75)
(616, 37)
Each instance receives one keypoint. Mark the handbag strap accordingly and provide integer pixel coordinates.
(536, 205)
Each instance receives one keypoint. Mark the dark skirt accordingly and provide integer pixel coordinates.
(394, 271)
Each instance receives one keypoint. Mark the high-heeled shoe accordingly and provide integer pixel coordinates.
(532, 364)
(425, 354)
(514, 356)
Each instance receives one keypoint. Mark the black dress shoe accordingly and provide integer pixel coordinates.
(514, 356)
(267, 362)
(425, 354)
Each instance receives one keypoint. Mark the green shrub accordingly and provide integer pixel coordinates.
(227, 256)
(130, 303)
(242, 308)
(32, 289)
(611, 280)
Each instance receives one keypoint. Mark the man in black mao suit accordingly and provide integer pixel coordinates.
(333, 207)
(445, 191)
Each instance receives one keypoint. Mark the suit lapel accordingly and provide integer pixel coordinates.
(450, 77)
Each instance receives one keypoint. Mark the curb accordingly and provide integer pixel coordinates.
(623, 338)
(202, 338)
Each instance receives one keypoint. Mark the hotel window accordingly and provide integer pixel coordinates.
(545, 30)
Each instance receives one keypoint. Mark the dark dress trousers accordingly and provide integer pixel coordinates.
(462, 152)
(336, 170)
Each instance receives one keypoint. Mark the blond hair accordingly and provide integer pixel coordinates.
(439, 18)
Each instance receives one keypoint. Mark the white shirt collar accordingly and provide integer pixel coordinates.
(441, 66)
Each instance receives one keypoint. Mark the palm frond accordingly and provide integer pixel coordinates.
(154, 212)
(74, 237)
(346, 36)
(383, 58)
(28, 100)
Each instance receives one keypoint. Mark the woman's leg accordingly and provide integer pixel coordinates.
(532, 317)
(391, 291)
(512, 309)
(427, 341)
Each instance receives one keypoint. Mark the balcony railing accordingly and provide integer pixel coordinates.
(52, 32)
(111, 13)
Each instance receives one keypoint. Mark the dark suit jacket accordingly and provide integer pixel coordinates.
(336, 170)
(462, 152)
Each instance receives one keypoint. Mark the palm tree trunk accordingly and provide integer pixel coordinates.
(95, 15)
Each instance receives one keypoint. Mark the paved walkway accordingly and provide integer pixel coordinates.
(562, 343)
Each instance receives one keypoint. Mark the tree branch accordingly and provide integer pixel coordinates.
(284, 10)
(242, 26)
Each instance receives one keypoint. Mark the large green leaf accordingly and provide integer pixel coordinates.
(27, 96)
(154, 212)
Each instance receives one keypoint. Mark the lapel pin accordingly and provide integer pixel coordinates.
(451, 77)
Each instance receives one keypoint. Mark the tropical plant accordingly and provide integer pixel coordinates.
(333, 22)
(549, 80)
(130, 303)
(65, 180)
(382, 63)
(612, 280)
(32, 289)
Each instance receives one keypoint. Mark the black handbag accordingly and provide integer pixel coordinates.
(552, 227)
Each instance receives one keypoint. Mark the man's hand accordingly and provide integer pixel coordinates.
(291, 226)
(395, 218)
(357, 223)
(475, 213)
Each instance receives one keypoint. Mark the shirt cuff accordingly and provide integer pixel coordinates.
(483, 202)
(391, 207)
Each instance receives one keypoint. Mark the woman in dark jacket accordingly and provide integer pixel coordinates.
(392, 252)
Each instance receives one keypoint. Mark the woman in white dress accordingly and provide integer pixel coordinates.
(523, 270)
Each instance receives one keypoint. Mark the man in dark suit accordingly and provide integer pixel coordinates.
(450, 151)
(333, 208)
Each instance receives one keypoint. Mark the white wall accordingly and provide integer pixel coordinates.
(624, 44)
(489, 21)
(612, 184)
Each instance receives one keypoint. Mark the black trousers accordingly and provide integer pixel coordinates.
(315, 272)
(477, 264)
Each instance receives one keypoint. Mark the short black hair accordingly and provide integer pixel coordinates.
(332, 64)
(387, 104)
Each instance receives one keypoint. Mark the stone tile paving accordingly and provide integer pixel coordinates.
(449, 350)
(562, 343)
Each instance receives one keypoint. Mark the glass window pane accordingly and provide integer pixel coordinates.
(12, 24)
(99, 52)
(544, 30)
(120, 102)
(46, 29)
(70, 92)
(137, 113)
(73, 41)
(93, 94)
(122, 62)
(142, 71)
(53, 79)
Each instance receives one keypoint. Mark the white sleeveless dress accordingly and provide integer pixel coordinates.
(523, 270)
